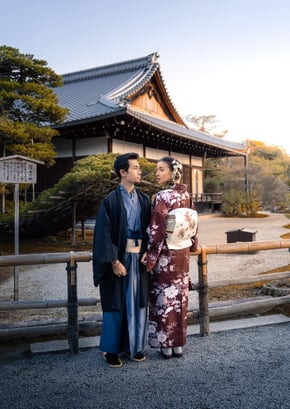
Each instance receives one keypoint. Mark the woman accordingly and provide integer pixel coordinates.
(169, 279)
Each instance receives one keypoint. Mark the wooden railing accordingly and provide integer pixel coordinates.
(72, 258)
(207, 197)
(244, 247)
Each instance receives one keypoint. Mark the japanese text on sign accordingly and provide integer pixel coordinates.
(16, 171)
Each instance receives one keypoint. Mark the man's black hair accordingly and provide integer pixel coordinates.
(122, 162)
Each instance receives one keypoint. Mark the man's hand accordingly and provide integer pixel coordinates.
(119, 269)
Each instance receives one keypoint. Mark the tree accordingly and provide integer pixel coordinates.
(267, 173)
(28, 106)
(206, 124)
(238, 203)
(74, 198)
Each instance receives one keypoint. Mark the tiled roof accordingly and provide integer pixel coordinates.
(103, 90)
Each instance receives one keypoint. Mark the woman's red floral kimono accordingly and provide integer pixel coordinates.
(169, 278)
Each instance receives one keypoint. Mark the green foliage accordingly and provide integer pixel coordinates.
(221, 175)
(96, 165)
(268, 175)
(79, 191)
(87, 172)
(273, 160)
(28, 106)
(242, 204)
(148, 170)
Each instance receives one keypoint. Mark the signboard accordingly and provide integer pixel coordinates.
(17, 171)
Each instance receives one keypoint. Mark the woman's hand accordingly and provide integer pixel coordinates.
(144, 258)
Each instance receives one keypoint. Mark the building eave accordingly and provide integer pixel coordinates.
(173, 128)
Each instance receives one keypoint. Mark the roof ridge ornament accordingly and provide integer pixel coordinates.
(154, 57)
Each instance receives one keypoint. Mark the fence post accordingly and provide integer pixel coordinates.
(72, 305)
(203, 292)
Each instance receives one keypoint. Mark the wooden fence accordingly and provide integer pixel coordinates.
(245, 247)
(72, 258)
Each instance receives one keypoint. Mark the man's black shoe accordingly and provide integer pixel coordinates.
(113, 360)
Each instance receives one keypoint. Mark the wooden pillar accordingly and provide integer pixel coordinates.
(72, 305)
(203, 293)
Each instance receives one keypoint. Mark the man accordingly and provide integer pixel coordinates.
(120, 240)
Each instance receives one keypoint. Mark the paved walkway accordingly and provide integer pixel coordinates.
(244, 368)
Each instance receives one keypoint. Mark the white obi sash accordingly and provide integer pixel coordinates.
(181, 226)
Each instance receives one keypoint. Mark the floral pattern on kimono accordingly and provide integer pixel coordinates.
(169, 274)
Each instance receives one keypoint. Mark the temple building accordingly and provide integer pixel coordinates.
(125, 107)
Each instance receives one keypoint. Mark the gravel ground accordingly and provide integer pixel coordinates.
(212, 230)
(237, 369)
(50, 281)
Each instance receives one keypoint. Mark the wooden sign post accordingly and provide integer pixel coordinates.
(17, 169)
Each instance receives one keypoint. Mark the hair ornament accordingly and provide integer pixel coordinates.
(177, 170)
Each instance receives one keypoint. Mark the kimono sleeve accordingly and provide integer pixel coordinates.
(157, 231)
(104, 250)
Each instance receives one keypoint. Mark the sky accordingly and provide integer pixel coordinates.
(227, 58)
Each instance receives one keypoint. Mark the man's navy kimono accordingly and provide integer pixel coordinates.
(110, 239)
